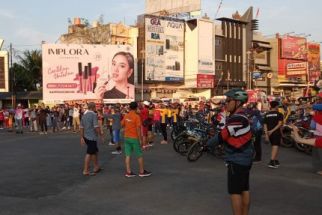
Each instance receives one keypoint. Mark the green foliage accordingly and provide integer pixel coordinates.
(28, 70)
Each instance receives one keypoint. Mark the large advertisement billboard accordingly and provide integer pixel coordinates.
(292, 69)
(86, 72)
(4, 71)
(164, 49)
(293, 48)
(313, 59)
(171, 6)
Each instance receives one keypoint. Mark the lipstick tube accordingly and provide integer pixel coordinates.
(85, 80)
(89, 77)
(80, 76)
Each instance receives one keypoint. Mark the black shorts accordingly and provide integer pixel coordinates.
(275, 138)
(91, 146)
(238, 178)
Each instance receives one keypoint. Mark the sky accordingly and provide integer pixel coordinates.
(26, 24)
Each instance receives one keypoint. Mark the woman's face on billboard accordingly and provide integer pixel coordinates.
(121, 70)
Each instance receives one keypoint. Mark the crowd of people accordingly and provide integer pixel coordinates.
(132, 128)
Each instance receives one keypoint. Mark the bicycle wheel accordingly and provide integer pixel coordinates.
(184, 146)
(177, 141)
(195, 151)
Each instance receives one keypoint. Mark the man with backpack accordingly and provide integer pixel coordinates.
(237, 137)
(257, 128)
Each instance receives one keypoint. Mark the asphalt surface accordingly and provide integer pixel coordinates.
(41, 174)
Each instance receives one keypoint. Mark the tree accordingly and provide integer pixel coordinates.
(28, 70)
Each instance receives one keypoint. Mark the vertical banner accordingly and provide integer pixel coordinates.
(82, 72)
(4, 71)
(313, 59)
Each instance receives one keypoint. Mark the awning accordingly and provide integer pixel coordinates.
(264, 45)
(265, 68)
(292, 85)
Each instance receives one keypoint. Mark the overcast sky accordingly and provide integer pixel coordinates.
(26, 23)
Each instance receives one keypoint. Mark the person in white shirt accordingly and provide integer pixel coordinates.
(76, 120)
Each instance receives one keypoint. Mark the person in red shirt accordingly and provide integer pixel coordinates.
(144, 115)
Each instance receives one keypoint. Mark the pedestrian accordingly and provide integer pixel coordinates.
(146, 121)
(163, 126)
(273, 120)
(133, 141)
(18, 119)
(237, 137)
(116, 118)
(1, 119)
(89, 133)
(42, 119)
(76, 119)
(33, 119)
(257, 128)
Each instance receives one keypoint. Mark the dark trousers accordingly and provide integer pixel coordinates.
(164, 131)
(43, 124)
(258, 145)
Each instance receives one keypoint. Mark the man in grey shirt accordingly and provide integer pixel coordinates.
(89, 132)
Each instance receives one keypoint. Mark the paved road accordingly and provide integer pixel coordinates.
(41, 174)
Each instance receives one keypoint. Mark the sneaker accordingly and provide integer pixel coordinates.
(111, 144)
(116, 152)
(145, 173)
(272, 164)
(41, 133)
(45, 132)
(277, 163)
(130, 175)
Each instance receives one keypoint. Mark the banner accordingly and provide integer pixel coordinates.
(205, 81)
(4, 71)
(313, 59)
(291, 68)
(293, 48)
(86, 72)
(164, 49)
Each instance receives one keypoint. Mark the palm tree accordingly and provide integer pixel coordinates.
(31, 67)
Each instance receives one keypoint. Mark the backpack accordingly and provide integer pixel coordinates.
(256, 124)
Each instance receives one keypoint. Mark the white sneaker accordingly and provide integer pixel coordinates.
(111, 144)
(116, 152)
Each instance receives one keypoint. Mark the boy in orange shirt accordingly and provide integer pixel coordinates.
(133, 141)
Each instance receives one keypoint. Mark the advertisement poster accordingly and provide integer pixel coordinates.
(164, 49)
(294, 48)
(4, 71)
(205, 81)
(81, 72)
(292, 68)
(313, 59)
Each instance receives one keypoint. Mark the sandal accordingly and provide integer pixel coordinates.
(98, 170)
(89, 174)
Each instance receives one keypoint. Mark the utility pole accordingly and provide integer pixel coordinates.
(13, 80)
(142, 73)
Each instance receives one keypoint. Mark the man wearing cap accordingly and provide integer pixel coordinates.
(18, 118)
(144, 114)
(89, 132)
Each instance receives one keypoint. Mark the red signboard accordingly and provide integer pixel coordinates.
(205, 81)
(292, 67)
(293, 48)
(313, 59)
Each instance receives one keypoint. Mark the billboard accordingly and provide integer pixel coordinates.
(205, 81)
(81, 72)
(313, 59)
(4, 72)
(293, 48)
(292, 68)
(171, 7)
(164, 49)
(206, 63)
